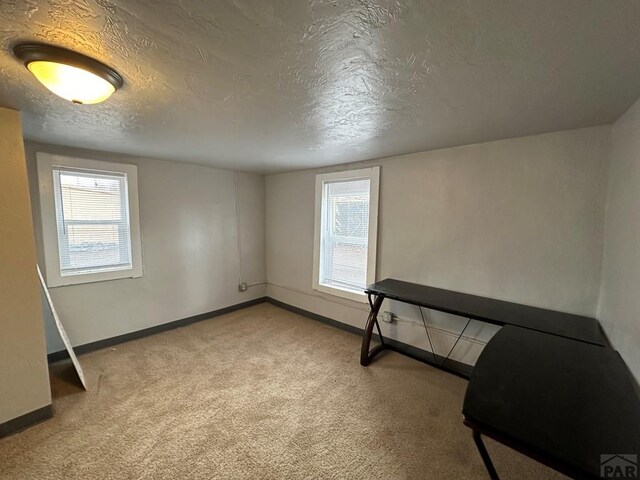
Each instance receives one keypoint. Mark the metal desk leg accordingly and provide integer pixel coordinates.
(488, 464)
(365, 355)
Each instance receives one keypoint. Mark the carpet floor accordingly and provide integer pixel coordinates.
(260, 393)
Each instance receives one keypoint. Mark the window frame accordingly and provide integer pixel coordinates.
(46, 163)
(373, 175)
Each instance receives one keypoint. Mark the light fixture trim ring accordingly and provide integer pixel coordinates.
(32, 52)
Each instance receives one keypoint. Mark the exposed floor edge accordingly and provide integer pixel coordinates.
(452, 366)
(25, 421)
(108, 342)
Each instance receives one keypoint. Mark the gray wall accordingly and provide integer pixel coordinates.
(619, 307)
(519, 219)
(24, 378)
(190, 249)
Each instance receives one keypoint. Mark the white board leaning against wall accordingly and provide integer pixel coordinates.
(63, 333)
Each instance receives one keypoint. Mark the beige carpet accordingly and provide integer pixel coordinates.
(259, 393)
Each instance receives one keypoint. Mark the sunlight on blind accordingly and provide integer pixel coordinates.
(92, 216)
(344, 234)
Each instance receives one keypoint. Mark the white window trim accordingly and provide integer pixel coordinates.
(373, 174)
(46, 163)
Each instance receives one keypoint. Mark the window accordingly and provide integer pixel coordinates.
(346, 231)
(90, 220)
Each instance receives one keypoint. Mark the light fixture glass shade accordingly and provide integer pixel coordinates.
(71, 75)
(71, 83)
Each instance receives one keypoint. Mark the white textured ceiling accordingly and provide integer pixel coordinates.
(274, 85)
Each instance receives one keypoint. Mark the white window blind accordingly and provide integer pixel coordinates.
(344, 235)
(92, 219)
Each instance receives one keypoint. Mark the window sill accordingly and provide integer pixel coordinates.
(61, 281)
(359, 297)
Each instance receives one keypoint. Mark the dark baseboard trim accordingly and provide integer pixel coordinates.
(452, 366)
(109, 342)
(315, 316)
(24, 421)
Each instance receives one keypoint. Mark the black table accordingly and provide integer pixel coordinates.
(562, 402)
(473, 307)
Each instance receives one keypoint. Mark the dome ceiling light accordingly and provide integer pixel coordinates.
(68, 74)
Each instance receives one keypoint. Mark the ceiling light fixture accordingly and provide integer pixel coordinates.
(68, 74)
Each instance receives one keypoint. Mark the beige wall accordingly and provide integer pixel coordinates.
(24, 378)
(190, 249)
(619, 308)
(519, 219)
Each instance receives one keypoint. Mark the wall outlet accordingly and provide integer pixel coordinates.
(387, 317)
(242, 287)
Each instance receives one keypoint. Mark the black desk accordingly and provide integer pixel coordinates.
(561, 402)
(473, 307)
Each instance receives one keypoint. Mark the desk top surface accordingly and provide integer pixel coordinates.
(569, 400)
(490, 310)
